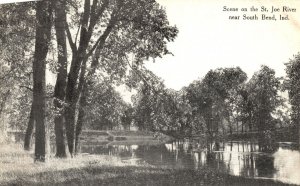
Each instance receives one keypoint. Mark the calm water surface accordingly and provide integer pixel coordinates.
(239, 158)
(280, 162)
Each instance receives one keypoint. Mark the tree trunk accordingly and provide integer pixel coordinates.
(79, 61)
(71, 92)
(250, 125)
(81, 114)
(237, 127)
(61, 81)
(70, 126)
(242, 127)
(5, 97)
(43, 33)
(299, 135)
(29, 130)
(72, 97)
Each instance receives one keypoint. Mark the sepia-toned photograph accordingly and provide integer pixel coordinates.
(149, 92)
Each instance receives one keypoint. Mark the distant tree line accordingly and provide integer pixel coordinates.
(222, 102)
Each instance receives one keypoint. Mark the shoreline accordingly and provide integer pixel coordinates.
(17, 168)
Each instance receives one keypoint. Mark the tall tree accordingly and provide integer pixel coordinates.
(105, 106)
(263, 94)
(15, 68)
(91, 14)
(102, 36)
(43, 33)
(29, 130)
(61, 81)
(118, 18)
(212, 96)
(293, 87)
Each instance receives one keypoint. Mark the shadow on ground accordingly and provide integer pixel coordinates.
(132, 175)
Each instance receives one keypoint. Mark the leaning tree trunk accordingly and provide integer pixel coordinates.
(61, 81)
(43, 33)
(29, 130)
(82, 89)
(80, 119)
(71, 91)
(79, 57)
(85, 82)
(72, 94)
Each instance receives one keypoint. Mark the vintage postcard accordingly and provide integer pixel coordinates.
(149, 92)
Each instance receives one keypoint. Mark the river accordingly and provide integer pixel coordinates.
(279, 161)
(240, 158)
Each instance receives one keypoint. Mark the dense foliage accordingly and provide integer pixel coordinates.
(293, 87)
(221, 103)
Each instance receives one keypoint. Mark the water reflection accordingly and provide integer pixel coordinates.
(287, 163)
(248, 159)
(280, 161)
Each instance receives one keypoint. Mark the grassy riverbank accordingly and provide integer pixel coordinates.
(17, 168)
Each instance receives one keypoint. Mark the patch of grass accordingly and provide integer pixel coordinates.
(17, 164)
(17, 168)
(134, 175)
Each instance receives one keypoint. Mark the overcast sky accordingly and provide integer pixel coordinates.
(208, 40)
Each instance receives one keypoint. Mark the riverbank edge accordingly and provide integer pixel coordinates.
(17, 168)
(105, 136)
(123, 135)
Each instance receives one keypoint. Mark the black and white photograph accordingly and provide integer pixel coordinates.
(149, 92)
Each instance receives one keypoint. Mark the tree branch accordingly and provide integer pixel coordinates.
(97, 15)
(101, 40)
(77, 35)
(102, 8)
(110, 26)
(28, 88)
(72, 44)
(92, 17)
(84, 37)
(142, 77)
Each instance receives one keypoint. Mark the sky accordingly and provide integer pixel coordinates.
(13, 1)
(207, 39)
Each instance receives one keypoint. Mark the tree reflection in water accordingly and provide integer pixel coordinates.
(243, 158)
